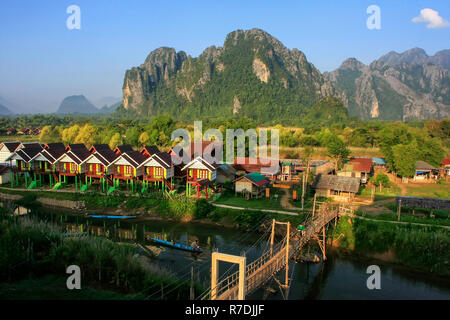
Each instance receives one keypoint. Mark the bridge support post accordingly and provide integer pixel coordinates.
(216, 257)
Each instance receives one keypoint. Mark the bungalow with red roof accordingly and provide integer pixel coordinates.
(159, 170)
(269, 168)
(44, 162)
(253, 184)
(357, 167)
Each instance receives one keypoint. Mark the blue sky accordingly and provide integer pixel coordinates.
(41, 61)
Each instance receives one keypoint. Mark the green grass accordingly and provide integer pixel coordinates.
(229, 198)
(384, 194)
(408, 218)
(430, 190)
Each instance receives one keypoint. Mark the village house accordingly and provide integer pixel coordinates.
(98, 165)
(196, 149)
(290, 168)
(7, 149)
(446, 166)
(47, 159)
(357, 167)
(339, 188)
(158, 169)
(424, 171)
(69, 165)
(253, 184)
(269, 168)
(24, 164)
(200, 174)
(126, 167)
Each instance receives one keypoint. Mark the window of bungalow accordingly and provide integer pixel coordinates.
(72, 167)
(128, 170)
(158, 171)
(203, 174)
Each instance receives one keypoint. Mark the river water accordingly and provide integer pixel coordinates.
(341, 276)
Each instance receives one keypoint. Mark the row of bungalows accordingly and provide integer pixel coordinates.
(57, 164)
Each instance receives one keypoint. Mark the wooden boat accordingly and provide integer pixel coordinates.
(177, 245)
(110, 217)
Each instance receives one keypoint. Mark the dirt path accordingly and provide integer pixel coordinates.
(285, 201)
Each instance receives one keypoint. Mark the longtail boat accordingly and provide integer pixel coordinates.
(177, 245)
(110, 217)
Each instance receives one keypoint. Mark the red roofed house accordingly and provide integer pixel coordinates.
(446, 166)
(357, 167)
(269, 168)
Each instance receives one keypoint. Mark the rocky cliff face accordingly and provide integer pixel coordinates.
(403, 86)
(253, 75)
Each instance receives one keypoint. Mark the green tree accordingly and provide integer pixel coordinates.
(86, 135)
(116, 140)
(50, 134)
(69, 134)
(381, 180)
(144, 138)
(338, 151)
(404, 158)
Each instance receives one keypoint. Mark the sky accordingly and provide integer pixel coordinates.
(42, 61)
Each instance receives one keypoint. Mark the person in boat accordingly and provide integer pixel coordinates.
(195, 245)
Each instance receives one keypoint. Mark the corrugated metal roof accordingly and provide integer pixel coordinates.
(338, 183)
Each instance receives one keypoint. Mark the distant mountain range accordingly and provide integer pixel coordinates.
(4, 111)
(78, 104)
(406, 86)
(255, 75)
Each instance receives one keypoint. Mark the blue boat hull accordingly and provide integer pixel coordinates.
(177, 245)
(111, 217)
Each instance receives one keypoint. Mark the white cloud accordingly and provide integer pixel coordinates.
(431, 18)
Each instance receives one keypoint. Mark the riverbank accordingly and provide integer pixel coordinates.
(421, 248)
(32, 250)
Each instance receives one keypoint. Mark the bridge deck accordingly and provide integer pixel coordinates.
(271, 262)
